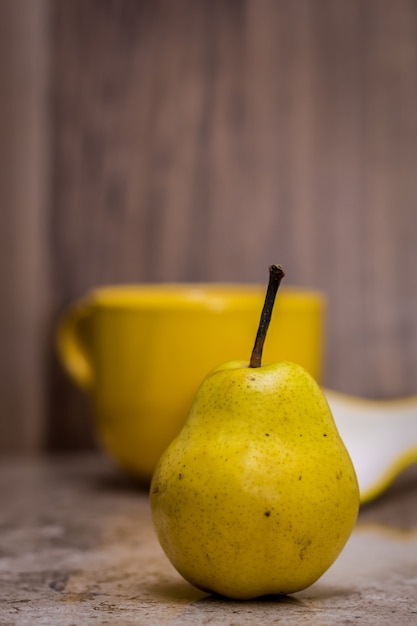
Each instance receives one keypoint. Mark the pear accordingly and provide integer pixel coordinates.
(257, 494)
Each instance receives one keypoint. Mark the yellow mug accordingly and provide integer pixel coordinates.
(141, 352)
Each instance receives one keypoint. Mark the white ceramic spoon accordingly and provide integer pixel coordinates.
(380, 436)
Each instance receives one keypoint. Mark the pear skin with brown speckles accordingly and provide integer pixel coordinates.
(257, 495)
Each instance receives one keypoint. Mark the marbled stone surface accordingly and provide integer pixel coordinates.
(77, 547)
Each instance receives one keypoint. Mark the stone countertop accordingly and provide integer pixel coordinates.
(77, 546)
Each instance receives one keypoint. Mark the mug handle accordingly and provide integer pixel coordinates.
(72, 350)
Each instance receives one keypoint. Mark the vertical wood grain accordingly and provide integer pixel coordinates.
(205, 139)
(24, 191)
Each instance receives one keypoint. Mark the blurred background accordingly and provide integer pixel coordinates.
(201, 140)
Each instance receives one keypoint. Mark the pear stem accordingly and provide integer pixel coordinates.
(276, 274)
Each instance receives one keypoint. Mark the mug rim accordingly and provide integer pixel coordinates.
(200, 295)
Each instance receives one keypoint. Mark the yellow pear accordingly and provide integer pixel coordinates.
(257, 494)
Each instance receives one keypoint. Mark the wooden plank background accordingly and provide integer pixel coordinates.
(202, 140)
(24, 220)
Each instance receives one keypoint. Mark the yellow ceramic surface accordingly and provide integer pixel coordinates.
(141, 352)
